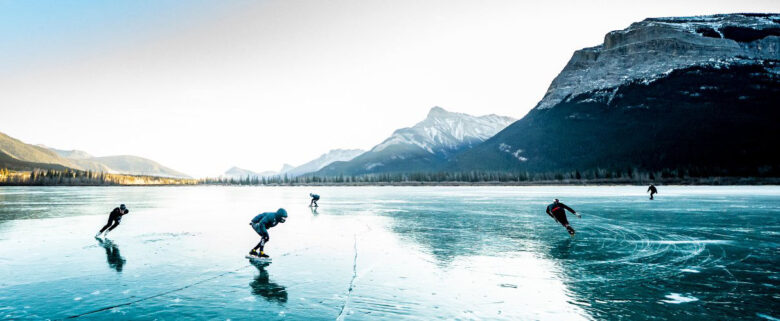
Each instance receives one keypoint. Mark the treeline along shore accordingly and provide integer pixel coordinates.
(69, 177)
(689, 176)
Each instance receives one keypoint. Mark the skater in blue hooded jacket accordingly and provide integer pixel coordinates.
(314, 199)
(261, 223)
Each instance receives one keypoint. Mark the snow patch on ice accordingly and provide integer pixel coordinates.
(676, 298)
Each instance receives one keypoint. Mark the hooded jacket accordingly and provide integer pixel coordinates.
(263, 221)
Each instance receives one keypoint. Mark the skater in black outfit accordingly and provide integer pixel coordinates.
(652, 190)
(557, 211)
(113, 219)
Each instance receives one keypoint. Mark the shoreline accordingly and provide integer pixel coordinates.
(712, 181)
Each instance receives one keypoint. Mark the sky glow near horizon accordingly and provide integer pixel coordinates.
(201, 86)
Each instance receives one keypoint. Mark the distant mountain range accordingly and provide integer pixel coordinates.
(237, 173)
(427, 146)
(699, 93)
(336, 155)
(695, 93)
(293, 171)
(17, 155)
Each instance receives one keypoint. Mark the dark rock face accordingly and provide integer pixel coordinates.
(651, 48)
(715, 112)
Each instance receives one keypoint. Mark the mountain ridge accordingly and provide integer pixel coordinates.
(19, 155)
(708, 116)
(428, 145)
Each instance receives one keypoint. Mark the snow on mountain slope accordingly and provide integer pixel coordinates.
(685, 93)
(424, 147)
(443, 133)
(336, 155)
(652, 48)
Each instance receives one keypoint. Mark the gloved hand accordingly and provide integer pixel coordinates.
(578, 215)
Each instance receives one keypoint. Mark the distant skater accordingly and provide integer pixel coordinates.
(113, 220)
(557, 211)
(652, 190)
(314, 199)
(261, 223)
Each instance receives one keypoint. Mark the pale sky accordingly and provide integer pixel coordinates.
(201, 86)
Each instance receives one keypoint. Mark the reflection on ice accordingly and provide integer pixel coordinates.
(114, 259)
(263, 287)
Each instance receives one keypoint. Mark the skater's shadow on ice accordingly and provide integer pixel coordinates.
(113, 257)
(266, 289)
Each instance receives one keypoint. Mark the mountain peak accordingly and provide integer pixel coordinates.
(437, 111)
(70, 154)
(427, 145)
(650, 49)
(286, 168)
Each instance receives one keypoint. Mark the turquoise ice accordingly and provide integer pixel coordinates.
(389, 253)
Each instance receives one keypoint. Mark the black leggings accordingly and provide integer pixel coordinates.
(259, 247)
(561, 217)
(113, 222)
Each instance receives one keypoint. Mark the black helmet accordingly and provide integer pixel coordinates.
(122, 207)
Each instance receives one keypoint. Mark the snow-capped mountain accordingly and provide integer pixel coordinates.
(336, 155)
(442, 133)
(696, 94)
(426, 146)
(241, 173)
(292, 171)
(652, 48)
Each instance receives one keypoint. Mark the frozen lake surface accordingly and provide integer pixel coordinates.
(389, 253)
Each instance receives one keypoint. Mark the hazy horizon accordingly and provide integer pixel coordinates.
(203, 86)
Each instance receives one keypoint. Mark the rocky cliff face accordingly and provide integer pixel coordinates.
(697, 93)
(652, 48)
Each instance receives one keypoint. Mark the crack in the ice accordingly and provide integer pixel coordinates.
(171, 291)
(342, 313)
(156, 295)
